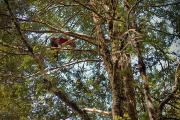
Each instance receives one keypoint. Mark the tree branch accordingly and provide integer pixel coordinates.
(163, 32)
(66, 100)
(88, 8)
(12, 53)
(14, 47)
(174, 89)
(76, 50)
(73, 63)
(18, 28)
(72, 34)
(97, 111)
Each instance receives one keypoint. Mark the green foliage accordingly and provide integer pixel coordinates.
(15, 103)
(23, 94)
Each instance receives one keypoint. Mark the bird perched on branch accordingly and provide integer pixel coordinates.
(56, 42)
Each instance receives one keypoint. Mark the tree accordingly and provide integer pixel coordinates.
(124, 43)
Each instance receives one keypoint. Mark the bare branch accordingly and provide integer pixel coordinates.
(98, 111)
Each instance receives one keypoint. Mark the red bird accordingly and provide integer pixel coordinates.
(59, 41)
(55, 42)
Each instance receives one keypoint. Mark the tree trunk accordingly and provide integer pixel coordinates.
(129, 87)
(117, 86)
(118, 68)
(123, 82)
(118, 94)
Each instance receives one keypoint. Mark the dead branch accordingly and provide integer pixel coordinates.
(94, 110)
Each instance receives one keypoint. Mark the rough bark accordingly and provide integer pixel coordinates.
(118, 94)
(129, 88)
(122, 80)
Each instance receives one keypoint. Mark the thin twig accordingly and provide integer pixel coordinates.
(162, 5)
(163, 32)
(12, 53)
(73, 63)
(89, 8)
